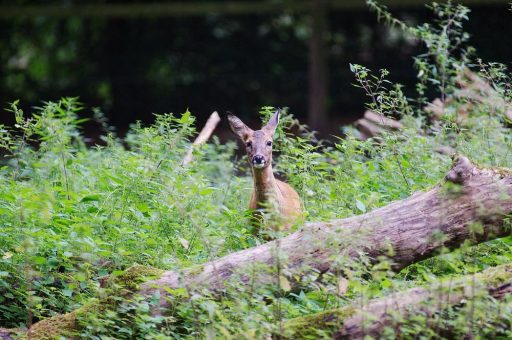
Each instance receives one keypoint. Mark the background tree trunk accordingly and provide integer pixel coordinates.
(318, 80)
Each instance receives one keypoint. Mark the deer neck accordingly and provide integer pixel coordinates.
(264, 183)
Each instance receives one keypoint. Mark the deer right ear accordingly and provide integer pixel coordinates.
(272, 122)
(238, 127)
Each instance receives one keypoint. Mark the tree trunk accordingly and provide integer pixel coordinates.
(471, 204)
(355, 322)
(318, 81)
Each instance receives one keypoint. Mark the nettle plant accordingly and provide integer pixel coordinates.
(71, 214)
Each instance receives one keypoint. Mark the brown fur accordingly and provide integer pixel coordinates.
(268, 194)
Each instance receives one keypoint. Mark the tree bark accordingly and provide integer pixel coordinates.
(470, 204)
(355, 322)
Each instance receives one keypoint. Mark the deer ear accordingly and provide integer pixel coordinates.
(272, 122)
(238, 127)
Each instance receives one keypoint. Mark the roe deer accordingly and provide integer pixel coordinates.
(268, 192)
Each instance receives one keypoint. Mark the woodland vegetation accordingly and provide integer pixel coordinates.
(407, 230)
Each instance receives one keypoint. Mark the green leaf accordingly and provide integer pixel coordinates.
(67, 292)
(39, 260)
(184, 118)
(360, 205)
(284, 284)
(206, 191)
(91, 198)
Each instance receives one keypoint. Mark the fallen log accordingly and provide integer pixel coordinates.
(5, 333)
(405, 231)
(356, 322)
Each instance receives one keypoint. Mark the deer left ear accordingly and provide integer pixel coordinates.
(272, 123)
(238, 127)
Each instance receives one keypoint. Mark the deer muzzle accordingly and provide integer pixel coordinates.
(258, 161)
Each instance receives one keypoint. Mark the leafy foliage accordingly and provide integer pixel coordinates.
(71, 215)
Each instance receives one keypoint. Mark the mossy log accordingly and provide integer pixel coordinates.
(470, 204)
(66, 325)
(355, 322)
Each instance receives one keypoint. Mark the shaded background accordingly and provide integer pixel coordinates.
(133, 59)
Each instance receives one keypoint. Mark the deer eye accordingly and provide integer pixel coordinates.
(248, 144)
(269, 143)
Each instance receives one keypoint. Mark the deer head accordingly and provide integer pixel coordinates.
(258, 144)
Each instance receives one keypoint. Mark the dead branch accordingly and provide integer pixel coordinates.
(473, 91)
(203, 136)
(374, 125)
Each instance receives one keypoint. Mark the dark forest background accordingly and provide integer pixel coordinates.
(133, 59)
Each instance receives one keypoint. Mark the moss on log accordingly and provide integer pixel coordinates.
(66, 325)
(405, 231)
(352, 322)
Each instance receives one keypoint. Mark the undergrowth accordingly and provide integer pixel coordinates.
(70, 215)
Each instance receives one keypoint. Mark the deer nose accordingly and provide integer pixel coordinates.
(258, 160)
